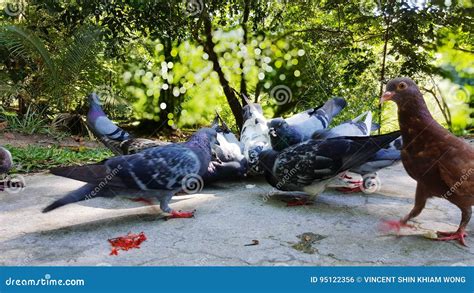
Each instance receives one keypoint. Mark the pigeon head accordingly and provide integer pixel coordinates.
(401, 90)
(205, 136)
(250, 110)
(282, 135)
(94, 99)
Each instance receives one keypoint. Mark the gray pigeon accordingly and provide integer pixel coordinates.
(113, 137)
(158, 172)
(310, 166)
(228, 161)
(300, 127)
(384, 158)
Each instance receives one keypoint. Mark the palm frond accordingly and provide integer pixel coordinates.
(25, 44)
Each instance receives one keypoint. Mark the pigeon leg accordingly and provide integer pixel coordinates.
(142, 199)
(173, 214)
(420, 202)
(349, 189)
(460, 234)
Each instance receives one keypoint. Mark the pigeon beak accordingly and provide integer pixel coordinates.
(272, 132)
(387, 96)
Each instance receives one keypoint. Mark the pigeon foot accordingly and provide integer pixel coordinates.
(387, 226)
(459, 235)
(349, 189)
(180, 214)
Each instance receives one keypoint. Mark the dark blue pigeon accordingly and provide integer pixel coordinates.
(158, 172)
(121, 142)
(310, 166)
(300, 127)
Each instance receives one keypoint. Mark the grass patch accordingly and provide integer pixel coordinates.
(38, 158)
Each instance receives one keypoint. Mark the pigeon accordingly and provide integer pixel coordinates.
(354, 127)
(6, 160)
(110, 134)
(121, 142)
(6, 163)
(229, 148)
(158, 172)
(254, 136)
(441, 163)
(228, 160)
(310, 166)
(300, 127)
(366, 173)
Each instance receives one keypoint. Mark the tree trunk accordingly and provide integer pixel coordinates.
(209, 45)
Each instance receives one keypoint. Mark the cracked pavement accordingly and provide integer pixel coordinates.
(229, 215)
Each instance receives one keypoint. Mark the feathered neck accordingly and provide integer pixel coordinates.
(414, 117)
(201, 145)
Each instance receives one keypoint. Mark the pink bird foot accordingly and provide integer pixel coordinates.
(387, 226)
(459, 235)
(180, 214)
(349, 189)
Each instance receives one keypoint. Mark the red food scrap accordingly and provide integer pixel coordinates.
(126, 242)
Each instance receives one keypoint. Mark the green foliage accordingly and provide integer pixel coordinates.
(37, 158)
(151, 59)
(29, 123)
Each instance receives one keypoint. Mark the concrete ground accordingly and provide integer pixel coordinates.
(339, 229)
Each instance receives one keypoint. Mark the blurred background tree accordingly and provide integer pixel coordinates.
(171, 64)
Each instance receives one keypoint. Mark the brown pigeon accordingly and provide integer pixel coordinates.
(442, 164)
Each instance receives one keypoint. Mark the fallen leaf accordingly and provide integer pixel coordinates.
(254, 242)
(9, 135)
(3, 125)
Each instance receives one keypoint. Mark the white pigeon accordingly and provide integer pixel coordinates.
(254, 136)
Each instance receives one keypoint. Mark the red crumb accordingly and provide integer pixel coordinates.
(126, 242)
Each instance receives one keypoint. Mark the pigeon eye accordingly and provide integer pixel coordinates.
(402, 86)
